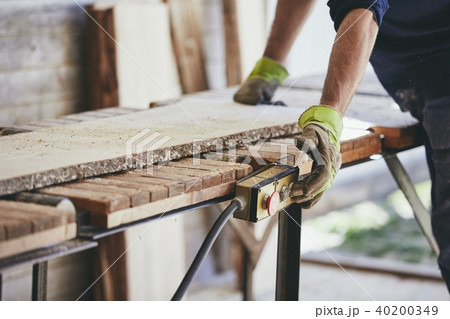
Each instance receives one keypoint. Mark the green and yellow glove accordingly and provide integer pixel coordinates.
(261, 83)
(321, 130)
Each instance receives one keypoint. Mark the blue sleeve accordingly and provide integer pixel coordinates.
(340, 8)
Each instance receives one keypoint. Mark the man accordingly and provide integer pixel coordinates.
(408, 45)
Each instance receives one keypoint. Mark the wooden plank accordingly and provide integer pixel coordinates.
(252, 28)
(156, 192)
(113, 281)
(228, 174)
(207, 179)
(356, 144)
(138, 67)
(36, 240)
(19, 218)
(232, 43)
(193, 183)
(103, 84)
(216, 173)
(399, 138)
(362, 148)
(15, 228)
(185, 21)
(145, 61)
(91, 201)
(46, 64)
(59, 216)
(242, 170)
(3, 234)
(38, 222)
(266, 153)
(160, 207)
(61, 203)
(137, 197)
(373, 264)
(174, 187)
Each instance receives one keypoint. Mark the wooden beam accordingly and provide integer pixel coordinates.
(232, 46)
(160, 207)
(186, 31)
(111, 265)
(102, 77)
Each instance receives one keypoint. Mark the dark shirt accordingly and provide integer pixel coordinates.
(412, 52)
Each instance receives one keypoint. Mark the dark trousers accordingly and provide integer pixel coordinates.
(423, 89)
(436, 123)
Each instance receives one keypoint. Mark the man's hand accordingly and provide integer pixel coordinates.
(321, 130)
(261, 83)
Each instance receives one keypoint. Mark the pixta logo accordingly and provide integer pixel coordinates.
(146, 148)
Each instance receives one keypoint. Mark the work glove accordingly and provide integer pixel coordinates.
(321, 130)
(262, 82)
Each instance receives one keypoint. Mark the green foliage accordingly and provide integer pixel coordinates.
(384, 228)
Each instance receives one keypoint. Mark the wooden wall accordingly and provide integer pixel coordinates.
(41, 60)
(43, 57)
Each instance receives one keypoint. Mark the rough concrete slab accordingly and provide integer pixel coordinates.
(198, 123)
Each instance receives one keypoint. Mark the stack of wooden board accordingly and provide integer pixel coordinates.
(123, 198)
(27, 226)
(356, 145)
(83, 151)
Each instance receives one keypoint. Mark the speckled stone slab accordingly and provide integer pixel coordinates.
(198, 123)
(59, 154)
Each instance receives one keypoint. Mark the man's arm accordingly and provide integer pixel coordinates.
(321, 125)
(290, 15)
(351, 52)
(268, 72)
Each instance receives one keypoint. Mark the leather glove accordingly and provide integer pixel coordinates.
(321, 130)
(261, 83)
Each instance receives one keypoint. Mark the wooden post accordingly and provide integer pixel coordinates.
(232, 47)
(185, 22)
(101, 62)
(113, 286)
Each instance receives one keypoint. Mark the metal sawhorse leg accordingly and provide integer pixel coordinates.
(289, 231)
(288, 255)
(39, 288)
(420, 212)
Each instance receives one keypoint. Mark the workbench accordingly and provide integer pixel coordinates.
(115, 182)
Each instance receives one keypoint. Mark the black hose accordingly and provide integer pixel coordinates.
(204, 249)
